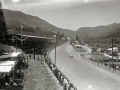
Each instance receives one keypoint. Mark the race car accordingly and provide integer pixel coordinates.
(71, 55)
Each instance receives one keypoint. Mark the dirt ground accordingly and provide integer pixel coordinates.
(39, 77)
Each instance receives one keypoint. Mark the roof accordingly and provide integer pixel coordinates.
(78, 45)
(18, 36)
(114, 49)
(10, 55)
(109, 56)
(7, 63)
(30, 36)
(6, 66)
(101, 56)
(5, 69)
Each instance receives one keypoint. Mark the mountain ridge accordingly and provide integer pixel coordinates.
(16, 18)
(99, 30)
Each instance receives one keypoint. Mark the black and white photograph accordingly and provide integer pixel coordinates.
(59, 45)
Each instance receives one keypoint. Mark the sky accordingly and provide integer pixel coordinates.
(69, 14)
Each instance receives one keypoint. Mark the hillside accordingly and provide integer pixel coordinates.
(100, 30)
(16, 18)
(112, 34)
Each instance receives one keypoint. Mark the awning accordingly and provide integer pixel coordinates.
(7, 63)
(5, 69)
(101, 56)
(6, 66)
(114, 49)
(114, 57)
(10, 55)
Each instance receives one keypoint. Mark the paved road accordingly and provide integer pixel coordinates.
(83, 74)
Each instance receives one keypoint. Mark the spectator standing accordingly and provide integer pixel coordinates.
(56, 73)
(59, 77)
(7, 78)
(65, 81)
(3, 80)
(72, 88)
(62, 79)
(117, 67)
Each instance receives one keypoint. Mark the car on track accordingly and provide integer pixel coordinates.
(71, 55)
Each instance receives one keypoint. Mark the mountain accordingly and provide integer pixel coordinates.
(113, 34)
(16, 18)
(99, 30)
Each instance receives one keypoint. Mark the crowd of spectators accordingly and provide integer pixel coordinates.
(16, 76)
(110, 63)
(63, 80)
(10, 79)
(21, 63)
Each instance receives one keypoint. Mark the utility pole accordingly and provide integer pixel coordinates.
(80, 48)
(92, 48)
(16, 45)
(80, 42)
(112, 54)
(34, 49)
(55, 48)
(21, 33)
(86, 39)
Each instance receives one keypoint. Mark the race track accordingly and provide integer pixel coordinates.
(83, 74)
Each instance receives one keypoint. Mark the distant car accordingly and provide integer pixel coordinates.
(71, 55)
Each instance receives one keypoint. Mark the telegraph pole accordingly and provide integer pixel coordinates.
(55, 48)
(80, 48)
(16, 45)
(21, 33)
(34, 49)
(92, 48)
(112, 54)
